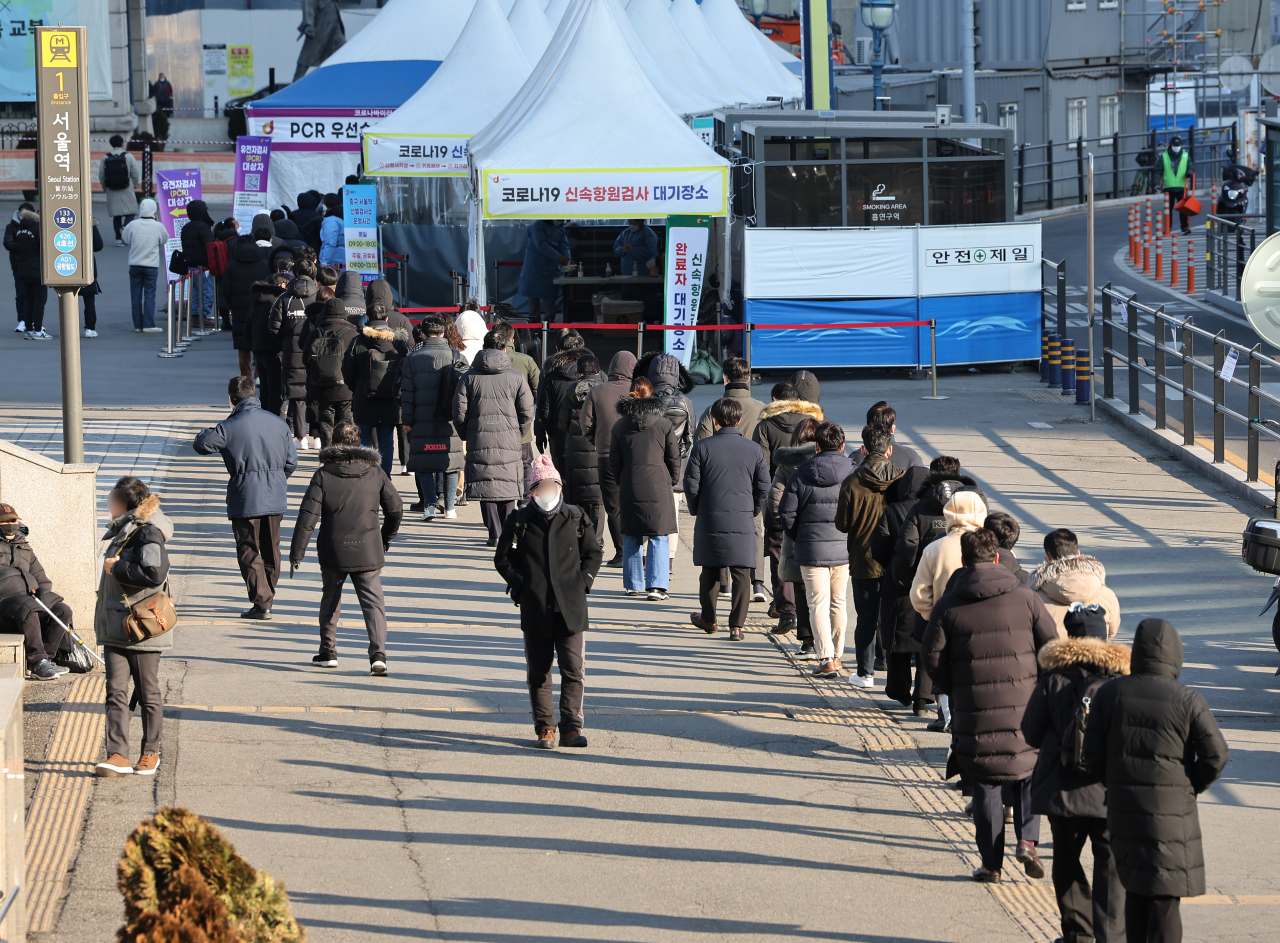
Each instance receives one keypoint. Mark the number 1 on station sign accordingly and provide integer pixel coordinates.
(63, 172)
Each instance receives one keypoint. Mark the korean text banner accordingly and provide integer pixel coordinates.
(175, 189)
(687, 241)
(604, 194)
(18, 22)
(437, 155)
(314, 129)
(977, 260)
(360, 224)
(253, 165)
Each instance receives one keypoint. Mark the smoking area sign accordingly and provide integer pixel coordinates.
(62, 147)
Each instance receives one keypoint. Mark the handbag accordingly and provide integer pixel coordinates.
(1189, 204)
(149, 613)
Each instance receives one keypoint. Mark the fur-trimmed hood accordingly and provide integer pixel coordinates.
(1093, 654)
(28, 216)
(381, 331)
(266, 288)
(804, 407)
(790, 456)
(343, 454)
(565, 362)
(645, 410)
(147, 512)
(1070, 579)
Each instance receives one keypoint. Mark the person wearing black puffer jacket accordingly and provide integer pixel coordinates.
(925, 522)
(559, 376)
(1075, 802)
(324, 353)
(195, 236)
(23, 581)
(1154, 745)
(371, 370)
(379, 301)
(807, 511)
(246, 267)
(428, 380)
(24, 257)
(266, 342)
(288, 322)
(582, 462)
(344, 498)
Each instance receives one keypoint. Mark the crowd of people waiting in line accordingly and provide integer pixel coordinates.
(1048, 714)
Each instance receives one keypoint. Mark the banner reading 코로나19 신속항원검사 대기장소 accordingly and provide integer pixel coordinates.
(604, 194)
(253, 166)
(687, 241)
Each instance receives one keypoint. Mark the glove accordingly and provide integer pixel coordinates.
(386, 546)
(542, 443)
(309, 32)
(293, 568)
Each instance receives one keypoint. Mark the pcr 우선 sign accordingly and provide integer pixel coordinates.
(63, 162)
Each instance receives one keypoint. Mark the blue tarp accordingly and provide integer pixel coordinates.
(971, 329)
(355, 85)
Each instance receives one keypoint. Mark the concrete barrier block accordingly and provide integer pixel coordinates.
(59, 504)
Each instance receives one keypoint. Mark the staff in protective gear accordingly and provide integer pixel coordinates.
(547, 250)
(1175, 164)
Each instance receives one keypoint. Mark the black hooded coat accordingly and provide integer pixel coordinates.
(924, 523)
(644, 459)
(581, 461)
(491, 406)
(196, 234)
(600, 408)
(247, 267)
(900, 625)
(559, 377)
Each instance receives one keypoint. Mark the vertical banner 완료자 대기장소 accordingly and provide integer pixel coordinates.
(360, 228)
(687, 241)
(253, 165)
(174, 190)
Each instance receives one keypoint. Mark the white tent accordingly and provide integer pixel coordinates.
(681, 95)
(407, 29)
(555, 12)
(698, 34)
(553, 153)
(775, 49)
(666, 44)
(531, 28)
(427, 135)
(731, 27)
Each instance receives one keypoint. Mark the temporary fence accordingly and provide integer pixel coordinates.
(1229, 241)
(180, 330)
(1180, 376)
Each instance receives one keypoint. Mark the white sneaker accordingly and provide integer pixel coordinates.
(119, 243)
(429, 513)
(89, 333)
(862, 681)
(21, 328)
(632, 592)
(305, 444)
(39, 336)
(657, 595)
(450, 515)
(153, 330)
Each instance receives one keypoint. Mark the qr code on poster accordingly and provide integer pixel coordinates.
(253, 181)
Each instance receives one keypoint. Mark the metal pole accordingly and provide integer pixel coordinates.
(639, 339)
(933, 360)
(1062, 298)
(746, 343)
(72, 407)
(1089, 303)
(545, 329)
(877, 69)
(968, 64)
(1022, 176)
(169, 353)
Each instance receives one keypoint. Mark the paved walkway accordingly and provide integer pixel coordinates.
(724, 795)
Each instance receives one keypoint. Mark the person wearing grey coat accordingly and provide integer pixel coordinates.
(491, 407)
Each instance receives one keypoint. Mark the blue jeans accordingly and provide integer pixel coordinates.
(386, 442)
(429, 488)
(142, 291)
(655, 570)
(206, 281)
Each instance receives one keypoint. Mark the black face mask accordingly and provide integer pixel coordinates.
(10, 530)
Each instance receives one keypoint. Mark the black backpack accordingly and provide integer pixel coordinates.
(677, 413)
(115, 172)
(327, 351)
(1072, 748)
(381, 381)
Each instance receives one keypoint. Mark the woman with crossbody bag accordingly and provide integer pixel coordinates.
(134, 623)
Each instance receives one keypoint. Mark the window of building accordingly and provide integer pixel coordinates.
(970, 191)
(885, 194)
(803, 195)
(1108, 118)
(1074, 6)
(1007, 116)
(1077, 116)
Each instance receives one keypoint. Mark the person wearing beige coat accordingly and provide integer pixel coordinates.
(964, 512)
(1079, 578)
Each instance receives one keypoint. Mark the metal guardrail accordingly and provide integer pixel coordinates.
(1054, 296)
(1181, 375)
(1229, 241)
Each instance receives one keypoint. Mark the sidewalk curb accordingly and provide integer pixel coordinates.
(1197, 458)
(1034, 215)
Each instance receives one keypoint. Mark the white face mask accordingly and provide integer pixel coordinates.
(1177, 148)
(547, 499)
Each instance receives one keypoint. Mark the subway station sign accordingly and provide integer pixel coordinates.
(62, 155)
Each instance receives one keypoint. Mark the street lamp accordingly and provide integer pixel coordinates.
(758, 9)
(877, 15)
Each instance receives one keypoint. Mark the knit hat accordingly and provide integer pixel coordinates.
(543, 469)
(147, 209)
(1083, 621)
(7, 514)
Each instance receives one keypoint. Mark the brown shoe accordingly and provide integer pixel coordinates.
(735, 634)
(1030, 860)
(114, 765)
(827, 669)
(147, 765)
(837, 664)
(573, 738)
(709, 627)
(983, 876)
(546, 739)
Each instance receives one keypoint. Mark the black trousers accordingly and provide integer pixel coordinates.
(612, 505)
(368, 587)
(784, 594)
(988, 819)
(258, 553)
(42, 635)
(494, 514)
(143, 668)
(866, 603)
(34, 296)
(1088, 913)
(709, 593)
(119, 222)
(1152, 919)
(1175, 194)
(402, 445)
(269, 380)
(897, 682)
(804, 629)
(527, 455)
(294, 413)
(329, 415)
(569, 651)
(90, 312)
(595, 514)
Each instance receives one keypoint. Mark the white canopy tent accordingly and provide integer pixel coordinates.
(684, 98)
(665, 43)
(731, 27)
(530, 27)
(775, 49)
(552, 152)
(406, 29)
(555, 12)
(427, 135)
(690, 21)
